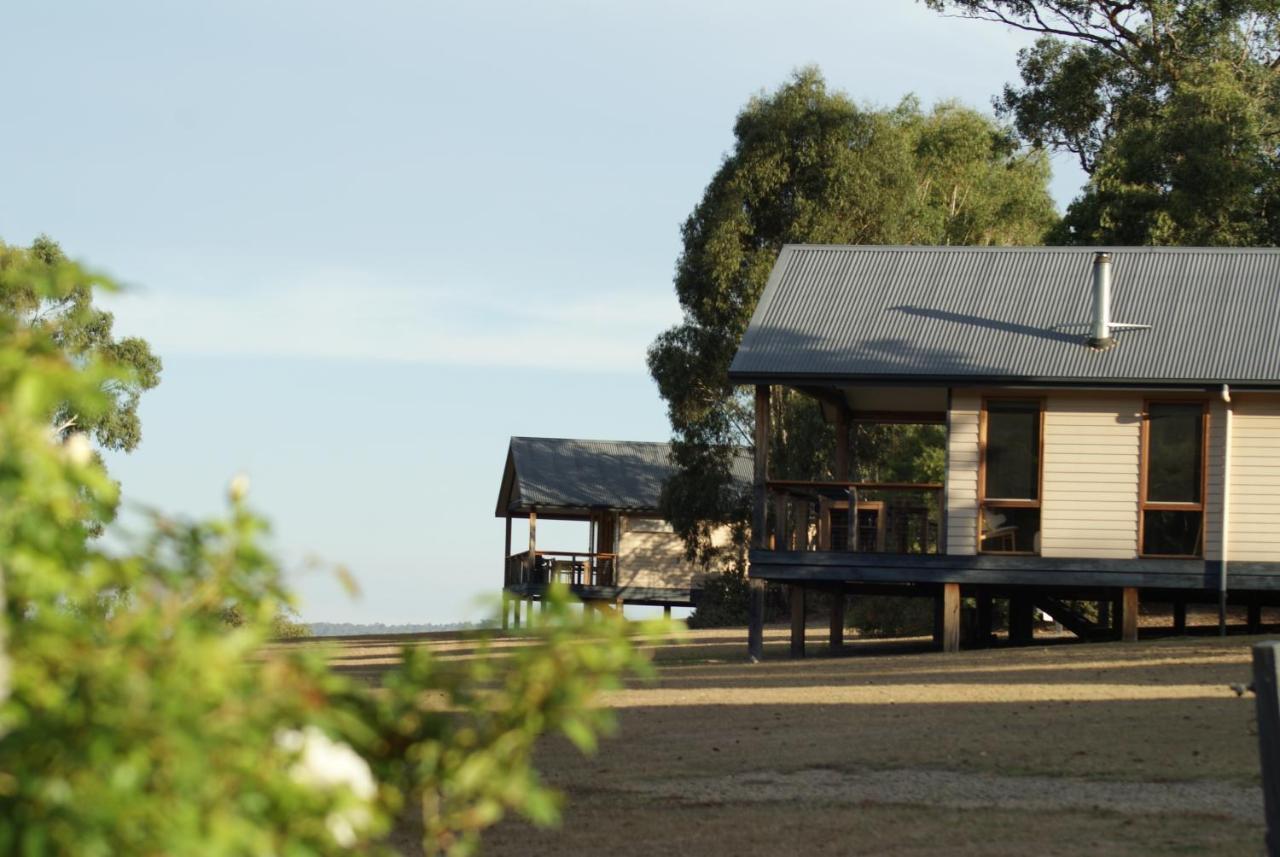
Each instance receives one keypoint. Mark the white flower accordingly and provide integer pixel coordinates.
(77, 449)
(324, 764)
(239, 487)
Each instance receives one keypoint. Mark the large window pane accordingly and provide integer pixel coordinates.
(1013, 451)
(1171, 533)
(1174, 447)
(1006, 530)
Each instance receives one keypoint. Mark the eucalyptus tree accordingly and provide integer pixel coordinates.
(1172, 108)
(810, 165)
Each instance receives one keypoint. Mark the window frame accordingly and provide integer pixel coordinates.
(1145, 505)
(998, 503)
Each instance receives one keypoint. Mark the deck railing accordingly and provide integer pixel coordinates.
(572, 567)
(885, 517)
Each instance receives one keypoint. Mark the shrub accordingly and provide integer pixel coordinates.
(891, 616)
(139, 721)
(725, 602)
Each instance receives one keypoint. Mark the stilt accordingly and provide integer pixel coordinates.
(1128, 618)
(949, 599)
(515, 612)
(755, 625)
(666, 612)
(796, 596)
(985, 619)
(1180, 617)
(505, 602)
(1021, 619)
(837, 620)
(1255, 617)
(1104, 613)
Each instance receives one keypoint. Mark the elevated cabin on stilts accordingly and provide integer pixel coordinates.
(1112, 431)
(630, 554)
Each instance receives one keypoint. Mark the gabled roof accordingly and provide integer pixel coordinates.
(1014, 314)
(560, 474)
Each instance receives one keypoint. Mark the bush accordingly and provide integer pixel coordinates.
(725, 602)
(891, 616)
(139, 721)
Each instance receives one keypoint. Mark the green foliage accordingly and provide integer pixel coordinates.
(891, 616)
(135, 720)
(40, 287)
(808, 165)
(725, 601)
(1172, 108)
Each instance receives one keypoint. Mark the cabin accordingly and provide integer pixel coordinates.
(1111, 420)
(629, 555)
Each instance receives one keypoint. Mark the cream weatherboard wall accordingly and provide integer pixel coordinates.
(1255, 479)
(962, 473)
(1092, 467)
(1092, 447)
(650, 554)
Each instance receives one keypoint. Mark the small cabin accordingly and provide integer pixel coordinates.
(1111, 420)
(628, 553)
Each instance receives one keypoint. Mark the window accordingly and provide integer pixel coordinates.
(1173, 442)
(1009, 477)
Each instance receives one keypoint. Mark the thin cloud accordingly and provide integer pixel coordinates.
(351, 317)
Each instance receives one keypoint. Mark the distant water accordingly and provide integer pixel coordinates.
(346, 629)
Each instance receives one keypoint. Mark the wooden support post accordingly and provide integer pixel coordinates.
(666, 611)
(617, 606)
(1255, 618)
(533, 548)
(986, 617)
(796, 596)
(1180, 616)
(505, 605)
(837, 620)
(1104, 613)
(949, 600)
(755, 621)
(1266, 687)
(1021, 619)
(515, 612)
(779, 539)
(1129, 614)
(759, 521)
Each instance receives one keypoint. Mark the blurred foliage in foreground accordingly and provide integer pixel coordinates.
(135, 720)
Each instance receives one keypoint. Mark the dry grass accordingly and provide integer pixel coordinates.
(1100, 749)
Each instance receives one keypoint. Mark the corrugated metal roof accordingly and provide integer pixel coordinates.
(1015, 314)
(561, 473)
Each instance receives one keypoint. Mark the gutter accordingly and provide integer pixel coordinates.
(1226, 510)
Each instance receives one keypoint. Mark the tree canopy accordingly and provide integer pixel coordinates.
(1172, 108)
(809, 165)
(41, 288)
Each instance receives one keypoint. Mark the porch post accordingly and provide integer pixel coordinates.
(842, 445)
(949, 600)
(1022, 614)
(837, 618)
(985, 618)
(1129, 615)
(796, 597)
(759, 521)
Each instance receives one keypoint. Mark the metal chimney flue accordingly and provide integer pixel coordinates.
(1100, 331)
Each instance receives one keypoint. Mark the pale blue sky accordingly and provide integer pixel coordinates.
(373, 240)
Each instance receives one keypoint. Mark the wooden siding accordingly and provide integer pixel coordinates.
(962, 473)
(1255, 480)
(1092, 446)
(648, 559)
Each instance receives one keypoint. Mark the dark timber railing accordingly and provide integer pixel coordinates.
(572, 567)
(883, 517)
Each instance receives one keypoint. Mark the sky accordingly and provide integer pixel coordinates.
(372, 241)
